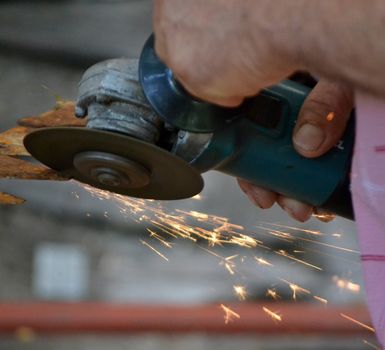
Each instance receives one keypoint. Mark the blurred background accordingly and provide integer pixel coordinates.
(67, 245)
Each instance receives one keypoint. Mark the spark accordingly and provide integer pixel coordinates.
(262, 261)
(199, 215)
(329, 245)
(312, 232)
(244, 241)
(273, 294)
(75, 194)
(274, 315)
(230, 268)
(159, 238)
(216, 232)
(371, 344)
(240, 292)
(296, 288)
(232, 257)
(324, 216)
(330, 116)
(230, 315)
(285, 236)
(214, 239)
(358, 322)
(287, 255)
(153, 249)
(289, 237)
(346, 284)
(322, 300)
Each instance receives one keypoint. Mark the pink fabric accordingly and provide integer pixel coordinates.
(368, 188)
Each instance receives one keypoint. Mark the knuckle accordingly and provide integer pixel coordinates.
(316, 107)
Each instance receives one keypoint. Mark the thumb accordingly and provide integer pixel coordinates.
(323, 118)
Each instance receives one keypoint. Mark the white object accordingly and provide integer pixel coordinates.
(61, 271)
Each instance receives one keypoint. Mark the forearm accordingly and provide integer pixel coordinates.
(225, 50)
(343, 40)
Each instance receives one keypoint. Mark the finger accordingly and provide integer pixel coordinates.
(159, 30)
(297, 210)
(201, 94)
(259, 196)
(323, 118)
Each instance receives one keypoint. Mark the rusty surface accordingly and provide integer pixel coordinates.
(11, 142)
(11, 147)
(13, 168)
(61, 115)
(8, 199)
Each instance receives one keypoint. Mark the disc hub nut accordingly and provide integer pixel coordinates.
(111, 170)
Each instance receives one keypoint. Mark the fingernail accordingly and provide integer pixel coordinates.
(292, 214)
(309, 137)
(289, 211)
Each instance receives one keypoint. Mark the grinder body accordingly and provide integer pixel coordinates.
(253, 141)
(147, 137)
(258, 148)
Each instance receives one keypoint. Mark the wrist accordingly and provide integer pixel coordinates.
(277, 26)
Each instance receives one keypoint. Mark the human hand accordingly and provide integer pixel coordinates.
(222, 52)
(320, 125)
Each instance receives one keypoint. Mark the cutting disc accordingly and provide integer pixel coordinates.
(114, 162)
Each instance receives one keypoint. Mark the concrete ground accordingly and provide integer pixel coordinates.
(44, 48)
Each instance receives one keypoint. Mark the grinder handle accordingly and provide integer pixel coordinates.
(259, 149)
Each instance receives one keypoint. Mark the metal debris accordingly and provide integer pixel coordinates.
(11, 147)
(8, 199)
(11, 142)
(62, 115)
(13, 168)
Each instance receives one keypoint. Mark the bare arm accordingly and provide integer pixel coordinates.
(224, 50)
(344, 40)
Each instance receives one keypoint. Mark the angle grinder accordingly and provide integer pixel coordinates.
(147, 137)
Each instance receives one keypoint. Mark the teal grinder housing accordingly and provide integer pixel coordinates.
(253, 141)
